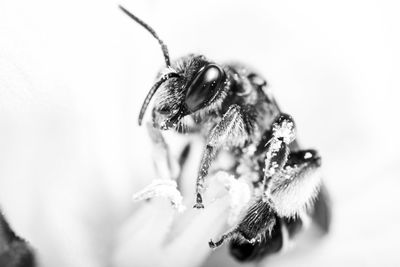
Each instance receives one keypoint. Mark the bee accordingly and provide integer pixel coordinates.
(232, 108)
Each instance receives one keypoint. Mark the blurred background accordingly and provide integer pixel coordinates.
(73, 75)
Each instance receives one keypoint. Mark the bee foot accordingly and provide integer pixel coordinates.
(198, 206)
(217, 244)
(212, 244)
(199, 202)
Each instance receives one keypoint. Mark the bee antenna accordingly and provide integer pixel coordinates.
(152, 92)
(153, 32)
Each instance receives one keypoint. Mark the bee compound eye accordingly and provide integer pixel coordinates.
(204, 87)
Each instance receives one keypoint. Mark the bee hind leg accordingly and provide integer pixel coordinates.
(297, 186)
(227, 236)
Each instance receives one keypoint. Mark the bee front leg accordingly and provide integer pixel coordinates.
(231, 131)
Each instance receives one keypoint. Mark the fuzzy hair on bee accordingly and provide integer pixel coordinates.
(231, 108)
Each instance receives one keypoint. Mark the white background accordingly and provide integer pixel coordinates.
(73, 75)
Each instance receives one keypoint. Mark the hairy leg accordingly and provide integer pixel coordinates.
(296, 187)
(231, 131)
(277, 150)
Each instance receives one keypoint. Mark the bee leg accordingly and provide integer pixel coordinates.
(208, 156)
(259, 220)
(227, 236)
(231, 131)
(275, 159)
(298, 184)
(277, 150)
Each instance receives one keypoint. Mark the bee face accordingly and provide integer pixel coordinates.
(196, 87)
(190, 84)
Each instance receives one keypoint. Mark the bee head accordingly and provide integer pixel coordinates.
(196, 86)
(192, 84)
